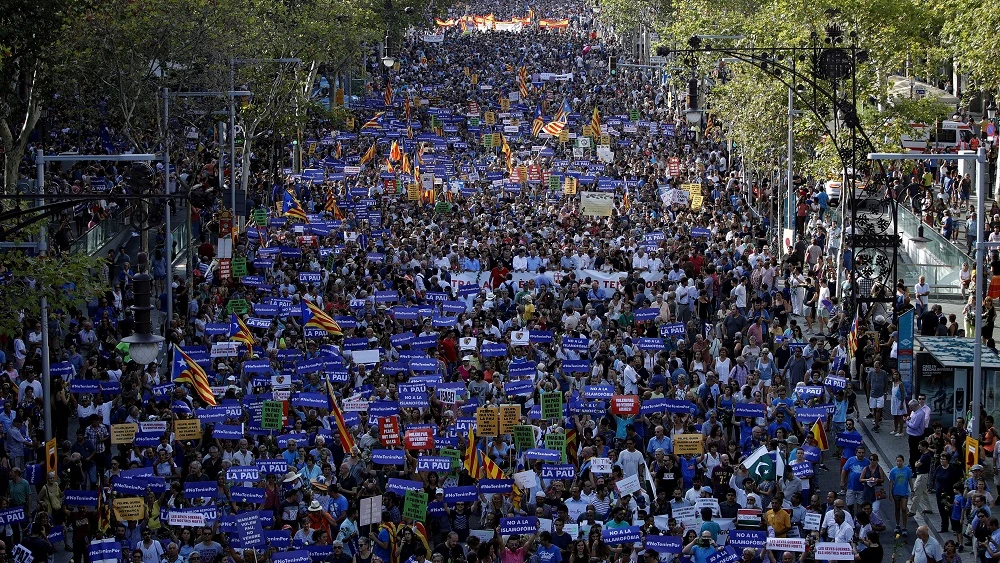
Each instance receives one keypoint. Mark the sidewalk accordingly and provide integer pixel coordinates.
(888, 447)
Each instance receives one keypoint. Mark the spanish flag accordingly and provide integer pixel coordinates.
(819, 434)
(315, 317)
(188, 371)
(343, 433)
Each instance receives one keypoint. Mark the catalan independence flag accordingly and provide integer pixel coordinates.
(375, 122)
(331, 206)
(291, 207)
(388, 93)
(343, 433)
(595, 123)
(471, 457)
(554, 128)
(186, 370)
(395, 153)
(538, 123)
(240, 332)
(313, 316)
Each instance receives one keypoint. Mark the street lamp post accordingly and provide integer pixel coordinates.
(991, 114)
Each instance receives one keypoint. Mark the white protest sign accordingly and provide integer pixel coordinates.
(447, 396)
(544, 524)
(708, 502)
(600, 465)
(225, 349)
(525, 479)
(371, 510)
(812, 521)
(355, 405)
(519, 338)
(686, 515)
(787, 544)
(628, 485)
(186, 519)
(367, 357)
(834, 551)
(153, 426)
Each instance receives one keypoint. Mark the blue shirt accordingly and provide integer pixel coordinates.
(551, 554)
(853, 468)
(701, 554)
(656, 443)
(900, 478)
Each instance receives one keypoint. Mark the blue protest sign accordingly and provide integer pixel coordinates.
(724, 555)
(550, 456)
(848, 439)
(434, 463)
(803, 470)
(298, 556)
(389, 457)
(749, 409)
(249, 529)
(272, 466)
(492, 486)
(243, 473)
(460, 494)
(400, 486)
(80, 498)
(561, 471)
(12, 516)
(247, 494)
(520, 526)
(664, 544)
(200, 489)
(617, 536)
(598, 391)
(742, 539)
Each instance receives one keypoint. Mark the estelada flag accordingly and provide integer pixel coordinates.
(313, 316)
(819, 434)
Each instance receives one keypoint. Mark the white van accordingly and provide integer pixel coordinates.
(950, 136)
(835, 188)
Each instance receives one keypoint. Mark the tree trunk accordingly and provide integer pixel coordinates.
(14, 147)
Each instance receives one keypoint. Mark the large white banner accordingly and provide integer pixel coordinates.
(434, 38)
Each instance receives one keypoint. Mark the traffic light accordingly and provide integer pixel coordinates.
(613, 65)
(693, 93)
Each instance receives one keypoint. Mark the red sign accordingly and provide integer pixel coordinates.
(225, 268)
(534, 174)
(388, 430)
(674, 166)
(419, 439)
(625, 404)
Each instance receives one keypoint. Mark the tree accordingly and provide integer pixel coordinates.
(27, 279)
(29, 32)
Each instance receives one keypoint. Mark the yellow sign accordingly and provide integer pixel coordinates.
(413, 192)
(123, 433)
(510, 416)
(474, 79)
(971, 451)
(690, 187)
(569, 187)
(564, 136)
(349, 124)
(187, 429)
(504, 104)
(588, 131)
(339, 97)
(605, 139)
(489, 118)
(130, 508)
(522, 173)
(487, 422)
(696, 201)
(688, 444)
(497, 139)
(51, 456)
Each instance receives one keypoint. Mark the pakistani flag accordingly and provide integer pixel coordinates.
(761, 465)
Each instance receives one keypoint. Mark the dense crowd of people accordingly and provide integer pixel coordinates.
(442, 345)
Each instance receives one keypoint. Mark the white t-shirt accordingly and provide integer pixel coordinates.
(922, 289)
